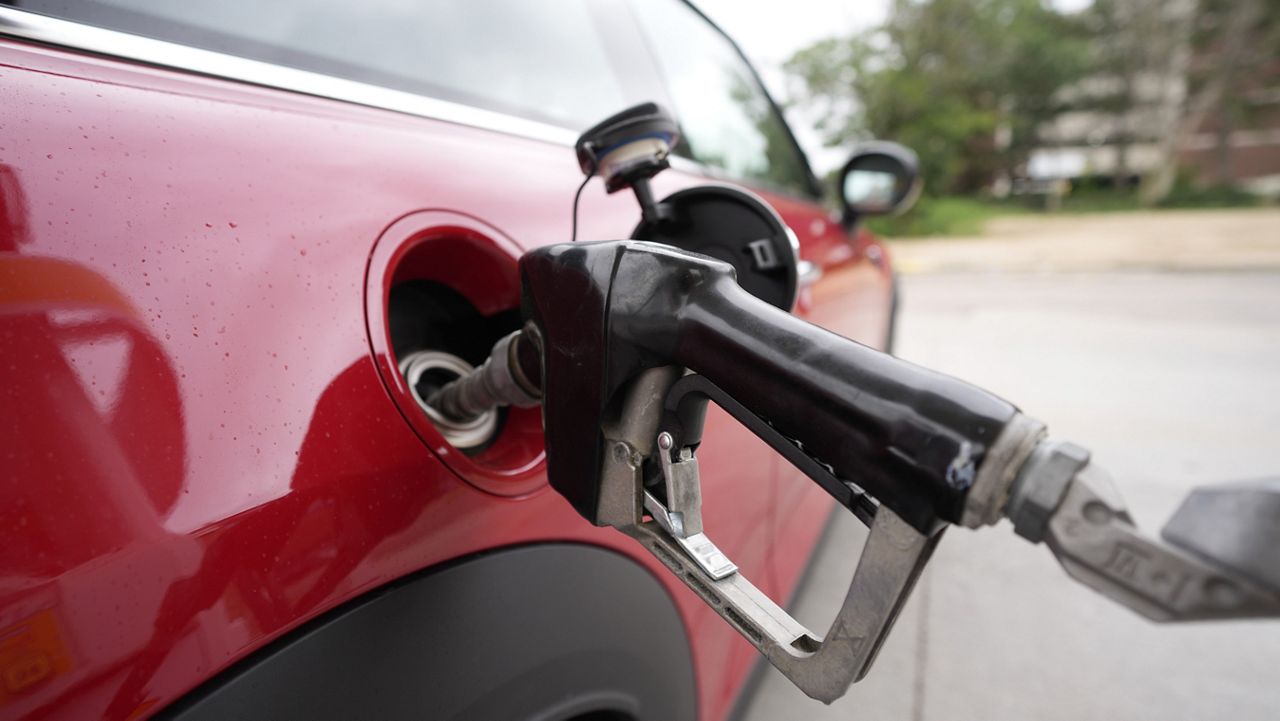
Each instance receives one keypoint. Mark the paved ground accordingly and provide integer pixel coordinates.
(1173, 380)
(1164, 240)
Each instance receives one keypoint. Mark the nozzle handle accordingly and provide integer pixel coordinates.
(913, 438)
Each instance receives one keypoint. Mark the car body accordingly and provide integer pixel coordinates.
(218, 493)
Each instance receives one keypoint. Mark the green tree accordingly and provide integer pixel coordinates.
(1237, 45)
(1232, 70)
(966, 83)
(1137, 58)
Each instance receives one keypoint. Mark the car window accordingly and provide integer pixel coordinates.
(725, 115)
(558, 61)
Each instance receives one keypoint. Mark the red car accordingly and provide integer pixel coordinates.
(222, 225)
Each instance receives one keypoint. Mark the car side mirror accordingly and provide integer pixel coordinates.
(882, 178)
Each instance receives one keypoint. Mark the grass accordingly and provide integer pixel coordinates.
(1217, 196)
(1183, 195)
(942, 216)
(967, 216)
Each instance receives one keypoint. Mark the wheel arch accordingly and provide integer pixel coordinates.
(550, 632)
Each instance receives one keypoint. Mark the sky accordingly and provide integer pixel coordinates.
(771, 31)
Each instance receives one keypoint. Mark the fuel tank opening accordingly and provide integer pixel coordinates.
(445, 282)
(438, 337)
(426, 372)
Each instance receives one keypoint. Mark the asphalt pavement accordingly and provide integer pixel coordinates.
(1172, 379)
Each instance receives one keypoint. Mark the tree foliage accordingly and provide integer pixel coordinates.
(966, 83)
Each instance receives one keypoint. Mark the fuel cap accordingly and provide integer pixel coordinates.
(734, 226)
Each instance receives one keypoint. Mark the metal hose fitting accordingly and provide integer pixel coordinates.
(499, 381)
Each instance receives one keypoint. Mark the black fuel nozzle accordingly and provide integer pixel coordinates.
(637, 337)
(912, 438)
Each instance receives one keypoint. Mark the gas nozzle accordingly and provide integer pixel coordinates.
(637, 338)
